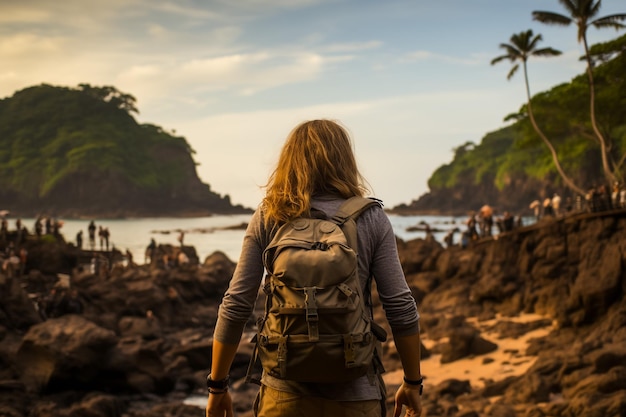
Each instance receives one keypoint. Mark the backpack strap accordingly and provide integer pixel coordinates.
(353, 207)
(347, 213)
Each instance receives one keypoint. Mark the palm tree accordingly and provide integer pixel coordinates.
(583, 12)
(524, 45)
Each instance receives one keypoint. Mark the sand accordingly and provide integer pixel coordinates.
(508, 360)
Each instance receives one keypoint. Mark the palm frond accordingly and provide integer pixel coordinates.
(512, 72)
(546, 52)
(612, 21)
(571, 5)
(593, 9)
(533, 43)
(511, 50)
(500, 58)
(551, 18)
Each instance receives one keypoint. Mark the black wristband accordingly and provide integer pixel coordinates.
(415, 382)
(212, 391)
(221, 384)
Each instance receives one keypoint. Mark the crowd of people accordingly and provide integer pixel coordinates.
(480, 224)
(103, 236)
(596, 199)
(62, 298)
(13, 251)
(13, 254)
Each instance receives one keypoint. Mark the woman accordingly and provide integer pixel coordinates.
(317, 169)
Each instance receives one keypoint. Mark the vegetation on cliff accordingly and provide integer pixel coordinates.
(512, 166)
(79, 151)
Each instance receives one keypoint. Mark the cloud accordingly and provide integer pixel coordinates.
(88, 16)
(271, 4)
(172, 8)
(399, 140)
(223, 65)
(241, 74)
(431, 56)
(167, 55)
(19, 13)
(26, 44)
(353, 46)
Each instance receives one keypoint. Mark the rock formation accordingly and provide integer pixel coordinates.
(137, 340)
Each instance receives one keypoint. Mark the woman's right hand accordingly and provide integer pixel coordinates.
(219, 405)
(410, 397)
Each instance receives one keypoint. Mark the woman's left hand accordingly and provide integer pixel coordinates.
(219, 405)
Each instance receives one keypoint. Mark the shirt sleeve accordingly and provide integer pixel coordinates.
(239, 300)
(394, 293)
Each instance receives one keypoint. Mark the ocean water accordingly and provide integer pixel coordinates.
(210, 234)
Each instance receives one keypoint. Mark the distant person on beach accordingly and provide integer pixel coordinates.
(129, 259)
(101, 236)
(11, 265)
(548, 211)
(317, 169)
(486, 220)
(23, 254)
(535, 206)
(106, 234)
(150, 251)
(91, 229)
(508, 222)
(20, 232)
(556, 204)
(449, 238)
(182, 259)
(4, 229)
(79, 239)
(56, 227)
(38, 227)
(604, 198)
(181, 237)
(472, 232)
(615, 195)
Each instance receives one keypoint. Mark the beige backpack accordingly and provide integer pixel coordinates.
(317, 326)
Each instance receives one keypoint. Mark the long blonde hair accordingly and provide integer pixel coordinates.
(316, 159)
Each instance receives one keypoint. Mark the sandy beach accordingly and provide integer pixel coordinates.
(508, 360)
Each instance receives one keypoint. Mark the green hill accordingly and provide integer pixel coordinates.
(512, 166)
(80, 152)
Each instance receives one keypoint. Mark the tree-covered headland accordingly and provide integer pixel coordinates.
(80, 152)
(513, 166)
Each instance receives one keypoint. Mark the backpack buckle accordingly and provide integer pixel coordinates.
(312, 318)
(349, 350)
(282, 355)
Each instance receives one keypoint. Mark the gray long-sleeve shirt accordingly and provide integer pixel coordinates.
(377, 258)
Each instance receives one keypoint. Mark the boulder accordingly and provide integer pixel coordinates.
(17, 309)
(69, 350)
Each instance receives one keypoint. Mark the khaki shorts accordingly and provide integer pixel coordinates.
(274, 403)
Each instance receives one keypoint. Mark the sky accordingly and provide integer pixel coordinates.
(409, 79)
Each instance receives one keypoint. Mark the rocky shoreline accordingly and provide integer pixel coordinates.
(140, 343)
